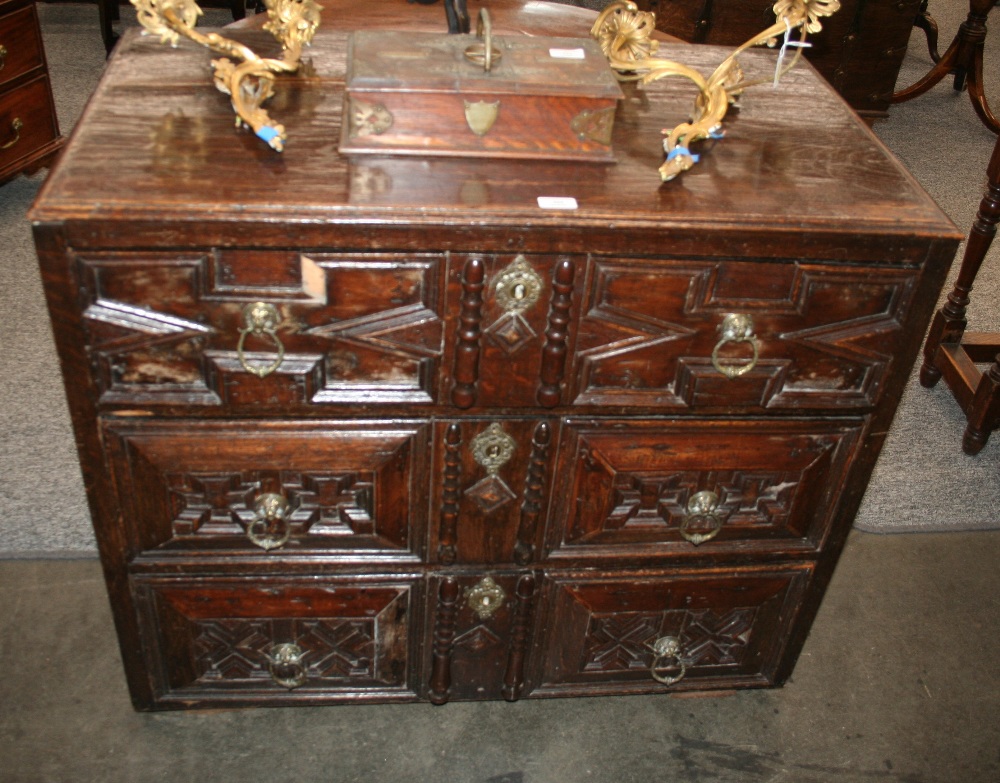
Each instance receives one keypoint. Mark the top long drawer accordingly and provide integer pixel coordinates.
(240, 328)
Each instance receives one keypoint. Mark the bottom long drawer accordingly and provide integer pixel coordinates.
(465, 635)
(273, 641)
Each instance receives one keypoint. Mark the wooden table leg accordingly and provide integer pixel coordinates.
(949, 351)
(964, 59)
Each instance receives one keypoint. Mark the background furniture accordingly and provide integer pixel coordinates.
(859, 50)
(963, 59)
(954, 353)
(29, 130)
(108, 14)
(383, 429)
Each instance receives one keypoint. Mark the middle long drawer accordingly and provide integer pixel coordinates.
(478, 490)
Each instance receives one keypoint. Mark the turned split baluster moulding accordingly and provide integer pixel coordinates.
(381, 428)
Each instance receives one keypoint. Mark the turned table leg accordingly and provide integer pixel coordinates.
(964, 59)
(944, 340)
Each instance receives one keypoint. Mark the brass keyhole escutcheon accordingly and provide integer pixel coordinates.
(517, 286)
(492, 448)
(485, 598)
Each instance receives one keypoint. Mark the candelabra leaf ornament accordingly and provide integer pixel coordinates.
(624, 34)
(244, 76)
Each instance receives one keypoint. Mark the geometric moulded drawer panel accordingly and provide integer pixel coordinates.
(251, 327)
(239, 639)
(274, 489)
(728, 628)
(805, 335)
(655, 487)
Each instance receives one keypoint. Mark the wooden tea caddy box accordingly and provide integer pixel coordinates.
(427, 94)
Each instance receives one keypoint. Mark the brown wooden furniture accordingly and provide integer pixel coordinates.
(108, 14)
(953, 352)
(963, 59)
(29, 131)
(859, 51)
(383, 429)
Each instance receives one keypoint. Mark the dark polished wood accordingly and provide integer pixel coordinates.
(29, 130)
(964, 60)
(472, 500)
(508, 17)
(954, 353)
(859, 51)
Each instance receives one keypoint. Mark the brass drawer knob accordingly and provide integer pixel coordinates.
(269, 527)
(702, 508)
(261, 320)
(3, 56)
(286, 666)
(665, 649)
(15, 126)
(735, 328)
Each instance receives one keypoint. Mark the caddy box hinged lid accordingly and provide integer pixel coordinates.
(478, 95)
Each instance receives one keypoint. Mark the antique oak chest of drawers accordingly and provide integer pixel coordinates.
(384, 429)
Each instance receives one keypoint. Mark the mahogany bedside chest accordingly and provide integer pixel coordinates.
(385, 429)
(29, 131)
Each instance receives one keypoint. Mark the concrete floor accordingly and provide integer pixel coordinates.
(899, 681)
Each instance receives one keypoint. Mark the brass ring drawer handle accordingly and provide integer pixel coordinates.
(702, 506)
(735, 328)
(15, 126)
(667, 648)
(286, 666)
(269, 528)
(3, 56)
(260, 319)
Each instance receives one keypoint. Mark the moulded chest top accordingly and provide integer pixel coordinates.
(157, 142)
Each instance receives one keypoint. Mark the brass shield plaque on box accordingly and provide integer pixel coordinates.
(419, 94)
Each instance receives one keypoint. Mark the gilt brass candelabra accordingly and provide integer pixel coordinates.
(242, 74)
(625, 36)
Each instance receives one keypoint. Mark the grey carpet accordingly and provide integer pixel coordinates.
(923, 481)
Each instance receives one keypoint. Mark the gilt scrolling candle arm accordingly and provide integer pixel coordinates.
(625, 36)
(244, 76)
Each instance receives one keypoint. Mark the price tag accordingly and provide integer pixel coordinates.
(557, 202)
(568, 54)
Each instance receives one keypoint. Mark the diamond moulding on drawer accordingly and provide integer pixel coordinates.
(418, 94)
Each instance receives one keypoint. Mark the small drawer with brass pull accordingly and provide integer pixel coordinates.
(657, 630)
(26, 120)
(20, 44)
(237, 639)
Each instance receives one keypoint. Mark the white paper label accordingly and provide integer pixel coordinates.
(568, 54)
(557, 202)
